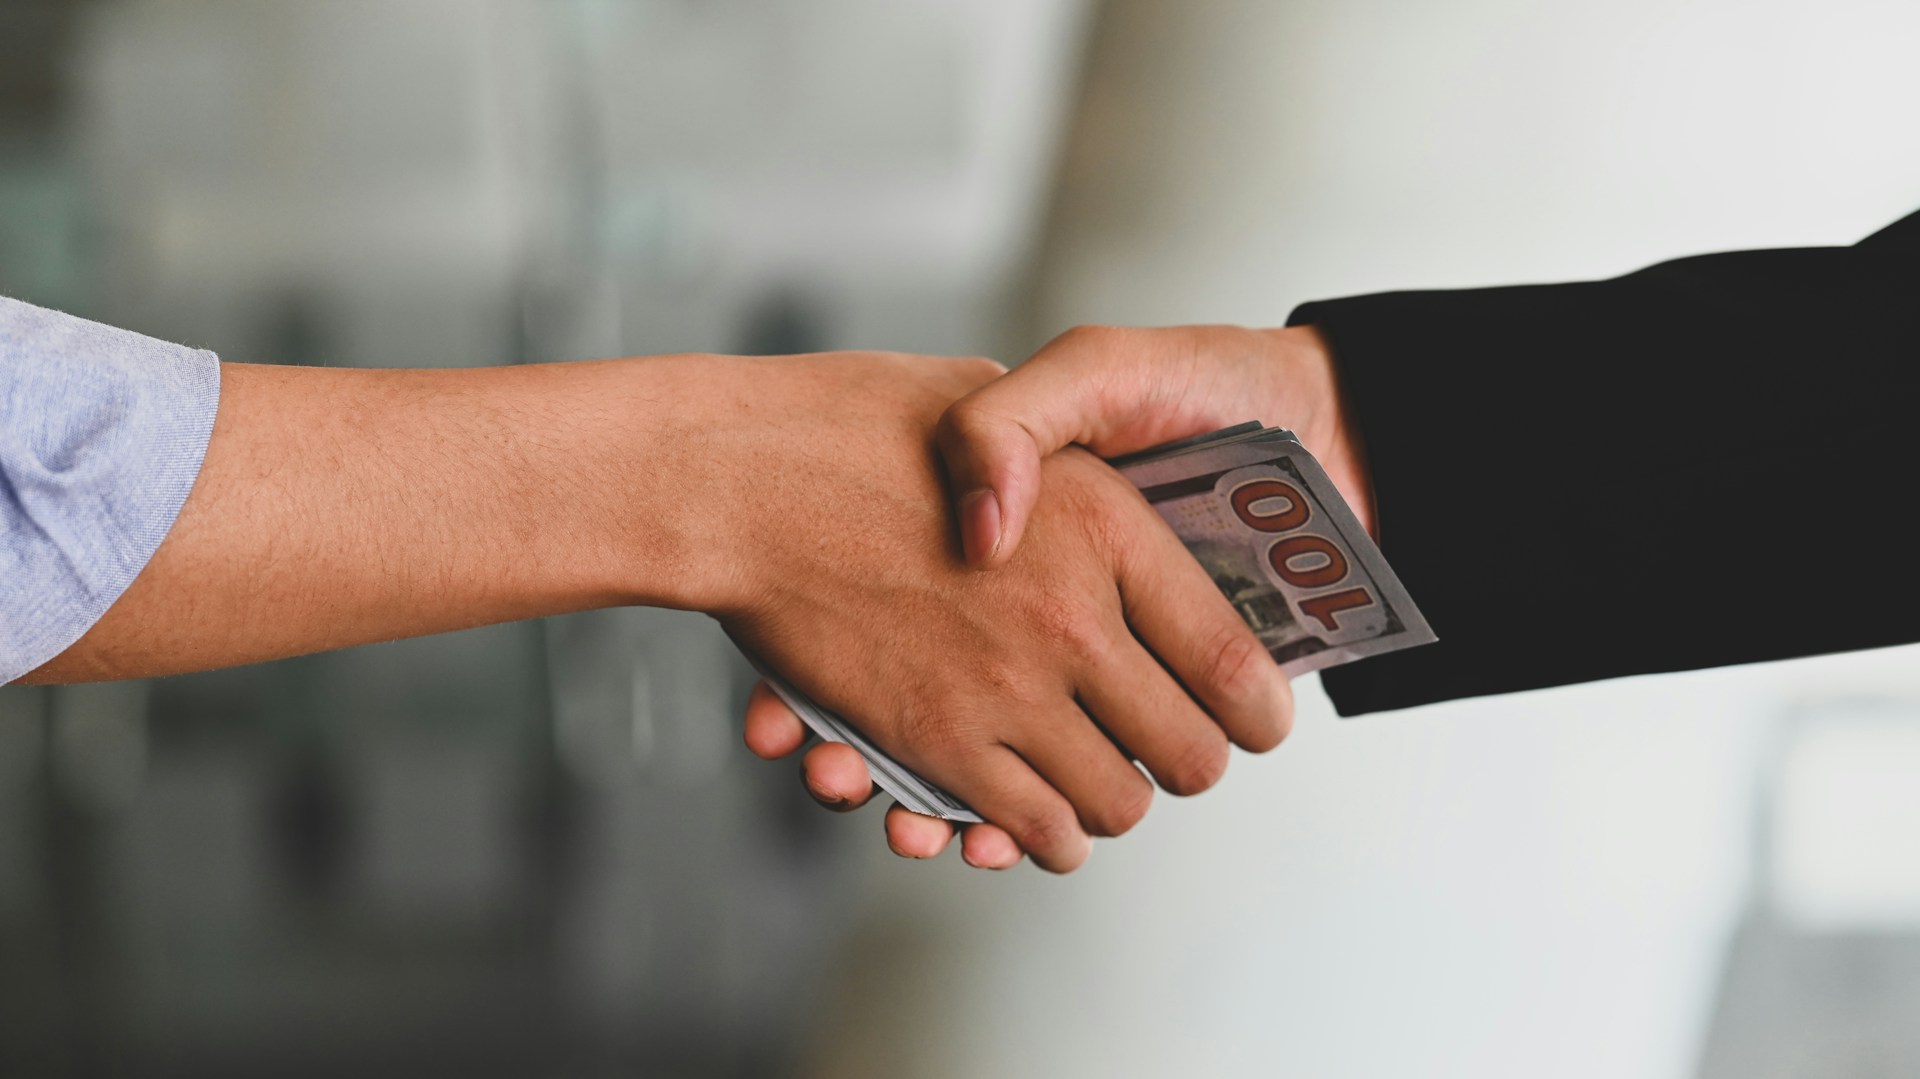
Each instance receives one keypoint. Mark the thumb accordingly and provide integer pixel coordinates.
(994, 439)
(1112, 390)
(993, 463)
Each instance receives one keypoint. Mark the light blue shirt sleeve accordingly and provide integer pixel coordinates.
(102, 433)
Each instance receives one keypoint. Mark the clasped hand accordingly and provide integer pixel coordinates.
(1026, 631)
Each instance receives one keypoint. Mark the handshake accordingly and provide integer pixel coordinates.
(929, 558)
(1073, 632)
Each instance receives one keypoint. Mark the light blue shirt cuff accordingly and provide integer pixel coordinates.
(102, 435)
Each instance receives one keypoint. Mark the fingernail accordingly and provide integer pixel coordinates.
(829, 801)
(979, 525)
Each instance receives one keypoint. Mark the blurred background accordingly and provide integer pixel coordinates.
(538, 850)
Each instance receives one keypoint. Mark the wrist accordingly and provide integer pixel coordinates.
(770, 465)
(659, 478)
(1322, 414)
(714, 457)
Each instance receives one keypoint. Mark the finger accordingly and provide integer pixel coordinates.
(772, 730)
(1087, 386)
(836, 776)
(1146, 711)
(1006, 790)
(1178, 612)
(1108, 794)
(988, 846)
(994, 438)
(913, 835)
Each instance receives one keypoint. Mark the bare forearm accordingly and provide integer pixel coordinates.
(339, 507)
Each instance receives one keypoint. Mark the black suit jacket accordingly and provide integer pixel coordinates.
(1711, 461)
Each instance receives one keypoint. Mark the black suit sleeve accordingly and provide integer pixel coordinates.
(1711, 461)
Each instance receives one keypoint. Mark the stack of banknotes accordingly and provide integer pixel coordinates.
(1260, 514)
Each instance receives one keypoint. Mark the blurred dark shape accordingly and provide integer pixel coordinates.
(785, 322)
(297, 328)
(34, 39)
(311, 826)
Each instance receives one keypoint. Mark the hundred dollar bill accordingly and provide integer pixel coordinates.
(1261, 516)
(1259, 513)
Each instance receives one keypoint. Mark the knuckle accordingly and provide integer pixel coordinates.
(965, 422)
(1199, 767)
(1235, 668)
(937, 732)
(1117, 815)
(1046, 832)
(1264, 737)
(1007, 682)
(1271, 727)
(1110, 531)
(1068, 626)
(1106, 517)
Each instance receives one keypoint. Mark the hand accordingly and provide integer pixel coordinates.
(1114, 391)
(1023, 691)
(1117, 390)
